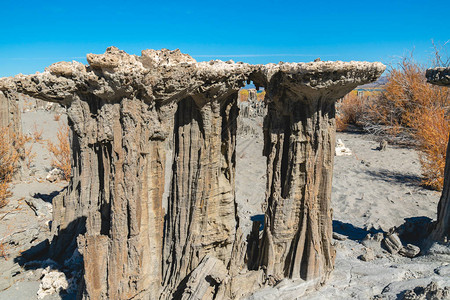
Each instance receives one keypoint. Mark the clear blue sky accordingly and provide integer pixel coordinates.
(35, 34)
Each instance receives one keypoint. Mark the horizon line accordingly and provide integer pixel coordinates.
(259, 55)
(192, 55)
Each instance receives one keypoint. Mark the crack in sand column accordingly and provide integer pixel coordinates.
(113, 204)
(10, 115)
(441, 231)
(201, 217)
(299, 138)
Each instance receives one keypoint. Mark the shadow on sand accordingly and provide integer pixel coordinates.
(47, 197)
(352, 232)
(396, 177)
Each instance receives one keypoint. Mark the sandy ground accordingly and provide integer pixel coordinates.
(372, 192)
(250, 176)
(371, 188)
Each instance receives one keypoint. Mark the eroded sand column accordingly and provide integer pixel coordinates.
(201, 219)
(111, 212)
(299, 138)
(10, 115)
(121, 111)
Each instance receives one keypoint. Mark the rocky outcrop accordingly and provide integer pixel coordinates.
(439, 76)
(392, 243)
(441, 232)
(431, 291)
(122, 111)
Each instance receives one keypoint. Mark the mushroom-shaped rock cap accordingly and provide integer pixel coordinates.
(165, 75)
(331, 79)
(439, 76)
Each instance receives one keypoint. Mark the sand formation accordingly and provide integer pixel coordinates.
(441, 231)
(122, 109)
(252, 107)
(9, 111)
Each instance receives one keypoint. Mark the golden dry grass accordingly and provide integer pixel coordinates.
(61, 152)
(243, 95)
(350, 110)
(37, 133)
(260, 96)
(408, 105)
(12, 151)
(432, 131)
(409, 101)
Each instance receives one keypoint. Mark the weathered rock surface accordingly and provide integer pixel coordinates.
(54, 175)
(368, 255)
(441, 232)
(122, 111)
(430, 292)
(299, 140)
(206, 281)
(409, 251)
(439, 76)
(252, 107)
(392, 243)
(52, 282)
(10, 115)
(341, 150)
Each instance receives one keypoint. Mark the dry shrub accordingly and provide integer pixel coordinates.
(432, 130)
(61, 152)
(8, 162)
(415, 104)
(13, 152)
(441, 56)
(350, 110)
(56, 117)
(411, 105)
(9, 159)
(3, 252)
(406, 96)
(28, 155)
(261, 95)
(243, 95)
(37, 133)
(20, 146)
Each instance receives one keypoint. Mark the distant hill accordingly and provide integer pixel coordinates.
(380, 82)
(377, 84)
